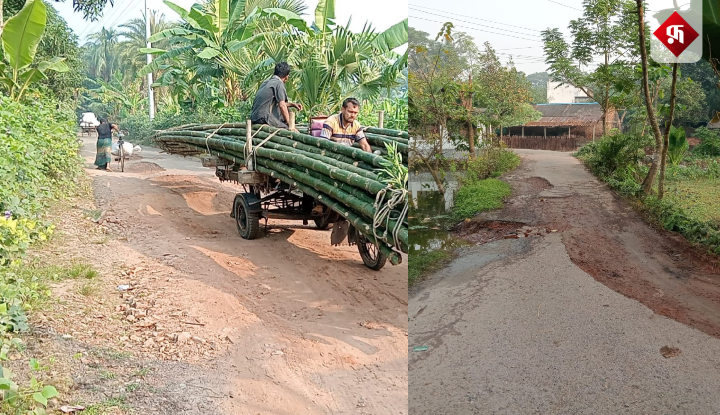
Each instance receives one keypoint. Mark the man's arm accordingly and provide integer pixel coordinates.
(365, 145)
(296, 105)
(284, 111)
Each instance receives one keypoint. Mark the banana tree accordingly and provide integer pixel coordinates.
(216, 36)
(20, 39)
(332, 63)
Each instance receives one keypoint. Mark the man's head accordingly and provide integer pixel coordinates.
(282, 71)
(350, 109)
(103, 120)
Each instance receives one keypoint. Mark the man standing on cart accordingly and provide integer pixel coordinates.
(271, 104)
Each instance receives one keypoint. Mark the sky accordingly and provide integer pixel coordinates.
(511, 26)
(393, 11)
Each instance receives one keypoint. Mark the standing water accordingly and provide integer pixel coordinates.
(430, 215)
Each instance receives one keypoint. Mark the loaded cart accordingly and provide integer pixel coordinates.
(281, 180)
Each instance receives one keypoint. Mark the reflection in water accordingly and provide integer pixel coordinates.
(430, 215)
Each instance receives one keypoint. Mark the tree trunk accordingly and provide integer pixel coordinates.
(650, 178)
(471, 137)
(434, 173)
(666, 139)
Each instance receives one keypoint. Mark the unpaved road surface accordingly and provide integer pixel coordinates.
(571, 321)
(286, 324)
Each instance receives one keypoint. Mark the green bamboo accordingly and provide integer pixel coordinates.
(381, 141)
(350, 178)
(240, 131)
(355, 153)
(328, 159)
(360, 206)
(357, 221)
(390, 133)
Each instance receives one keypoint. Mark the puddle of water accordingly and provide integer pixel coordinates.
(431, 215)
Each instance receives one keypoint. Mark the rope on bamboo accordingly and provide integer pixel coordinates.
(210, 136)
(252, 151)
(383, 212)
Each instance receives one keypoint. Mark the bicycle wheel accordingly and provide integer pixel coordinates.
(121, 152)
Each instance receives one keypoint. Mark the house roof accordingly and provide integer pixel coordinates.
(567, 115)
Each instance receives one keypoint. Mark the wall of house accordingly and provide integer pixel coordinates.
(565, 94)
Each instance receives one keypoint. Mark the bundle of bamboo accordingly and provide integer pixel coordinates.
(367, 189)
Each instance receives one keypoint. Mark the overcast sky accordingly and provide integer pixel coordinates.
(512, 26)
(363, 11)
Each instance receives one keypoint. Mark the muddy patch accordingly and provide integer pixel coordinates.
(143, 167)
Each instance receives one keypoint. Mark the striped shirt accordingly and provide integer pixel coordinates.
(334, 129)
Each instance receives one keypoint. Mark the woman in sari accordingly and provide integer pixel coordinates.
(104, 144)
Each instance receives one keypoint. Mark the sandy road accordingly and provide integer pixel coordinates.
(313, 330)
(571, 322)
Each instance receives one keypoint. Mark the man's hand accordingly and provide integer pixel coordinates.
(297, 105)
(365, 145)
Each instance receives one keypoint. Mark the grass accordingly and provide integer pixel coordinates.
(132, 387)
(110, 406)
(88, 288)
(699, 198)
(480, 196)
(107, 375)
(421, 265)
(141, 372)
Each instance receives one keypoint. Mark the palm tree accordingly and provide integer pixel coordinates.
(134, 39)
(102, 53)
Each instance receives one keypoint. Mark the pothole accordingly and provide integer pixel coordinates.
(493, 230)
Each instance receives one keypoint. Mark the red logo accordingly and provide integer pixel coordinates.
(676, 34)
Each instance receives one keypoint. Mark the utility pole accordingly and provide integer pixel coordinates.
(151, 95)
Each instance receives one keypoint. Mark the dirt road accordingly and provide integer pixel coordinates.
(571, 321)
(286, 324)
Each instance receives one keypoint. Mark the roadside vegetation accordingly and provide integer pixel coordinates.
(459, 91)
(209, 73)
(648, 158)
(691, 203)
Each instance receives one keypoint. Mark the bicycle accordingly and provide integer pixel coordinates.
(121, 150)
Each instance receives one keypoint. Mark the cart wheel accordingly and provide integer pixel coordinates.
(323, 222)
(371, 254)
(121, 152)
(248, 224)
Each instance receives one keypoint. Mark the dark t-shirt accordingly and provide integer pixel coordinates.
(105, 130)
(266, 108)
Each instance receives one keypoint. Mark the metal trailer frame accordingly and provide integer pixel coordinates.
(265, 197)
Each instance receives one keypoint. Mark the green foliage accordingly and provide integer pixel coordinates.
(20, 39)
(491, 161)
(677, 219)
(39, 163)
(479, 196)
(678, 145)
(393, 173)
(616, 156)
(709, 142)
(395, 116)
(27, 399)
(421, 265)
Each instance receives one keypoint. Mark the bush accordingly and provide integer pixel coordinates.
(616, 156)
(39, 163)
(491, 161)
(675, 219)
(479, 196)
(709, 142)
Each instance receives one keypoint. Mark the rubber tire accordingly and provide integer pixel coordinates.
(374, 264)
(121, 152)
(248, 224)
